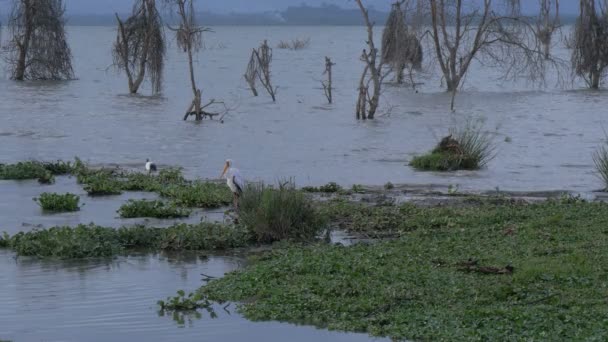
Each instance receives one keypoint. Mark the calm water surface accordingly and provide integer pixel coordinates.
(552, 132)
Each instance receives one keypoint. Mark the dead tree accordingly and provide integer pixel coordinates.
(463, 31)
(547, 23)
(327, 85)
(264, 59)
(189, 38)
(400, 47)
(251, 73)
(139, 49)
(38, 49)
(590, 42)
(367, 103)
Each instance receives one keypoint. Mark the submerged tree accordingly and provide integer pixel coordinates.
(548, 22)
(190, 39)
(328, 84)
(139, 49)
(258, 68)
(367, 103)
(463, 31)
(590, 40)
(38, 49)
(400, 46)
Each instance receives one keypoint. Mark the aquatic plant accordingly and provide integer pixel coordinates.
(198, 194)
(24, 170)
(503, 272)
(156, 209)
(102, 186)
(87, 241)
(279, 214)
(466, 148)
(389, 186)
(330, 187)
(181, 302)
(58, 203)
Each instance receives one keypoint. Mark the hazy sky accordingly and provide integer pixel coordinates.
(224, 6)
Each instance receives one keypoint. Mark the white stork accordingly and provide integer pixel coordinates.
(150, 166)
(234, 181)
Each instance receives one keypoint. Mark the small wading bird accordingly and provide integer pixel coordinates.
(234, 181)
(150, 166)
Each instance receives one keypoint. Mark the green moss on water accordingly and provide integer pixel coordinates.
(155, 209)
(417, 288)
(58, 203)
(88, 241)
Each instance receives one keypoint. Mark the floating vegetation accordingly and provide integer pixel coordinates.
(58, 203)
(467, 148)
(389, 186)
(488, 272)
(88, 241)
(279, 214)
(330, 187)
(198, 194)
(155, 209)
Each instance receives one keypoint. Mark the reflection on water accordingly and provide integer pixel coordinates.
(101, 300)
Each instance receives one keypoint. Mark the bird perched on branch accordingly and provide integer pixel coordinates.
(234, 181)
(150, 166)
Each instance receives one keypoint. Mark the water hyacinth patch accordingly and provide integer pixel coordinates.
(198, 194)
(155, 209)
(91, 241)
(57, 203)
(487, 273)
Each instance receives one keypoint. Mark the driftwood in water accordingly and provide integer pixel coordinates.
(327, 85)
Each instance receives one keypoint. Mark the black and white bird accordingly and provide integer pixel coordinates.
(150, 166)
(234, 181)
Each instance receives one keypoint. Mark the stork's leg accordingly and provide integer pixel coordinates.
(235, 201)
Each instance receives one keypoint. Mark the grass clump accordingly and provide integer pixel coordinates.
(58, 203)
(198, 194)
(491, 272)
(156, 209)
(90, 241)
(279, 214)
(466, 148)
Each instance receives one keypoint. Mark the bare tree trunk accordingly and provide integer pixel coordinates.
(24, 45)
(327, 85)
(366, 105)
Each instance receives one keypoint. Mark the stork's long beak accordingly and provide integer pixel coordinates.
(225, 169)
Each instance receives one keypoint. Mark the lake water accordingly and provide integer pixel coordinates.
(552, 134)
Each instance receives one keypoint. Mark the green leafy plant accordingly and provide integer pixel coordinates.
(58, 203)
(279, 214)
(156, 209)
